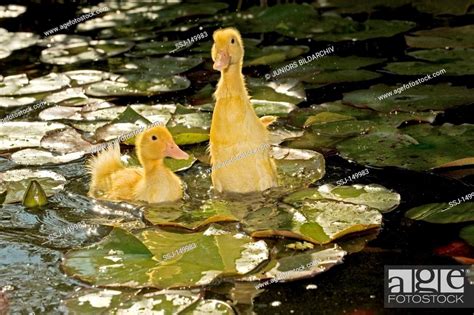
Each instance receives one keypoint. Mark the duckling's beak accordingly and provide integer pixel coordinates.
(222, 60)
(173, 151)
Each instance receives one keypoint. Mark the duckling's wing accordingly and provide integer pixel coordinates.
(102, 166)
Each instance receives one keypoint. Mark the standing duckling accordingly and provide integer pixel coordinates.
(153, 182)
(239, 141)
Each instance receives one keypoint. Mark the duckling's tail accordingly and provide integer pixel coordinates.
(102, 167)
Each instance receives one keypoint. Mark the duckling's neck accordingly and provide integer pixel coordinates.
(154, 169)
(231, 83)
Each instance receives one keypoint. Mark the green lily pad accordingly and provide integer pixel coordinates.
(348, 6)
(64, 141)
(442, 37)
(191, 218)
(84, 52)
(138, 85)
(83, 77)
(318, 221)
(272, 54)
(368, 30)
(34, 195)
(453, 212)
(184, 136)
(467, 234)
(165, 66)
(455, 62)
(154, 48)
(157, 258)
(42, 157)
(341, 76)
(11, 11)
(20, 85)
(326, 117)
(191, 120)
(18, 180)
(15, 135)
(418, 98)
(374, 196)
(420, 147)
(166, 302)
(11, 41)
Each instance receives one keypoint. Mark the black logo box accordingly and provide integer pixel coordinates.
(406, 300)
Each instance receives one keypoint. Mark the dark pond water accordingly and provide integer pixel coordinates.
(32, 277)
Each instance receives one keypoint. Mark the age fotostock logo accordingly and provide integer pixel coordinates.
(428, 287)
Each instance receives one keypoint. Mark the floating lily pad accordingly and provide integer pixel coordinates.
(63, 39)
(348, 6)
(18, 180)
(65, 54)
(331, 77)
(193, 135)
(15, 135)
(83, 77)
(11, 41)
(189, 217)
(154, 258)
(16, 101)
(166, 66)
(368, 30)
(138, 85)
(467, 234)
(42, 157)
(455, 62)
(374, 196)
(442, 37)
(318, 221)
(453, 212)
(418, 98)
(11, 11)
(420, 147)
(48, 83)
(272, 54)
(165, 302)
(64, 141)
(153, 48)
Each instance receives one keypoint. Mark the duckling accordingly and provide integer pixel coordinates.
(239, 140)
(153, 182)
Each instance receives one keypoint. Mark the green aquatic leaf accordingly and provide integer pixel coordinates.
(157, 258)
(452, 212)
(164, 67)
(374, 196)
(442, 37)
(417, 147)
(20, 85)
(191, 218)
(326, 117)
(11, 11)
(416, 99)
(272, 54)
(34, 195)
(467, 234)
(339, 76)
(145, 84)
(18, 181)
(65, 54)
(180, 165)
(153, 48)
(32, 157)
(14, 135)
(184, 136)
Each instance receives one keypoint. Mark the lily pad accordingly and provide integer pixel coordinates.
(48, 83)
(319, 221)
(153, 48)
(157, 259)
(65, 54)
(18, 180)
(138, 85)
(442, 37)
(420, 147)
(11, 11)
(42, 157)
(166, 302)
(15, 135)
(452, 212)
(165, 66)
(272, 54)
(11, 41)
(415, 99)
(374, 196)
(467, 234)
(184, 136)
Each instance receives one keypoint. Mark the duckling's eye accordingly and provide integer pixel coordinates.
(153, 138)
(232, 41)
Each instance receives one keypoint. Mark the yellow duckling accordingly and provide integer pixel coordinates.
(239, 142)
(152, 183)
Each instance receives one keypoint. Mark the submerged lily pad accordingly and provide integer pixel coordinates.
(165, 302)
(17, 182)
(453, 212)
(164, 259)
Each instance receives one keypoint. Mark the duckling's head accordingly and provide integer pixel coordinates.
(228, 48)
(157, 143)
